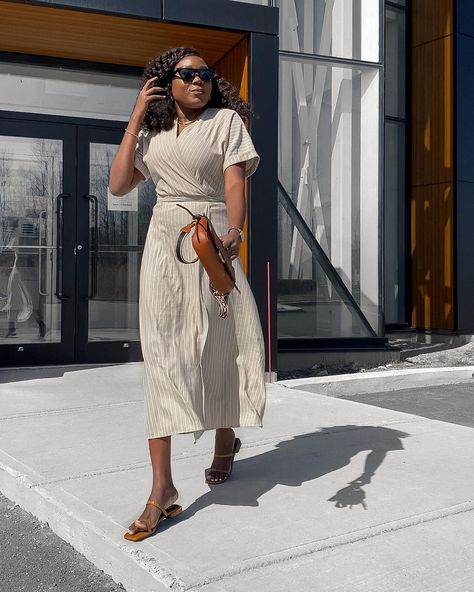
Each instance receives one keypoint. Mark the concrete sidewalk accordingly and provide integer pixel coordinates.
(73, 452)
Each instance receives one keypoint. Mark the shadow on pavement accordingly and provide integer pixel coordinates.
(305, 458)
(8, 375)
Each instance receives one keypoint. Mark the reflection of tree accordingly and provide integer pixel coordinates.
(113, 227)
(3, 186)
(33, 181)
(117, 264)
(39, 178)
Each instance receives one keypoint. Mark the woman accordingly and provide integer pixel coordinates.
(201, 371)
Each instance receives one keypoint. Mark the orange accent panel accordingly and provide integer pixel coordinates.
(432, 205)
(234, 67)
(432, 113)
(63, 33)
(432, 256)
(432, 19)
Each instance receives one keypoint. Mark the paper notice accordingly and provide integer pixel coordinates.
(123, 203)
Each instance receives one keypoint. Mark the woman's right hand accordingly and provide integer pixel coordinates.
(147, 94)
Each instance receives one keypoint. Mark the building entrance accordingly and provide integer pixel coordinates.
(70, 252)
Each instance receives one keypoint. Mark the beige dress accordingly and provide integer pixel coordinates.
(201, 371)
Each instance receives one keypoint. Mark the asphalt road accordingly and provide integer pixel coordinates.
(34, 559)
(453, 403)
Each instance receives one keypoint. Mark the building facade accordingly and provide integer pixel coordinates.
(70, 251)
(360, 212)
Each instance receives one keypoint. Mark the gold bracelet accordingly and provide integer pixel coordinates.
(131, 133)
(239, 230)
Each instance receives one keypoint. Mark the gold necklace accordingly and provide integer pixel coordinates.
(184, 123)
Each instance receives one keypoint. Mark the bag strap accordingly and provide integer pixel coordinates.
(179, 245)
(183, 234)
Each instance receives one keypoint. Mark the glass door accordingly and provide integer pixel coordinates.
(37, 218)
(111, 233)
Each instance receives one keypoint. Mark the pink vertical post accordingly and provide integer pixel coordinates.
(269, 334)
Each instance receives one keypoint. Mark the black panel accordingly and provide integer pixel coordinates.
(464, 166)
(263, 185)
(464, 256)
(464, 97)
(464, 18)
(54, 62)
(57, 119)
(336, 344)
(225, 14)
(138, 8)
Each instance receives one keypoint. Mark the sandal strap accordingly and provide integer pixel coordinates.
(139, 528)
(151, 502)
(224, 455)
(219, 471)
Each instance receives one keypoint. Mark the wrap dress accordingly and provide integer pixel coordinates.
(200, 371)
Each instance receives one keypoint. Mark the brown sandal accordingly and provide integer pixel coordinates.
(170, 512)
(237, 445)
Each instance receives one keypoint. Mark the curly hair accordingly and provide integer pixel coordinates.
(161, 113)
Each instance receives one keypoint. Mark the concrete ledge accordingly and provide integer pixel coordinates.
(89, 532)
(381, 381)
(299, 360)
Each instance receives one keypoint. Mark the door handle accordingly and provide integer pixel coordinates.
(93, 247)
(41, 217)
(59, 245)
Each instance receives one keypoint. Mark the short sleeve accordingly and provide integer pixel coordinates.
(140, 150)
(240, 147)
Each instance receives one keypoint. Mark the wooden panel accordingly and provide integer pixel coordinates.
(432, 256)
(432, 19)
(234, 67)
(43, 30)
(432, 113)
(432, 204)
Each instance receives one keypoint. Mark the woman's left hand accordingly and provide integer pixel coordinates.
(231, 244)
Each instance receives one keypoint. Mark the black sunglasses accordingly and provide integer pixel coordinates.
(188, 74)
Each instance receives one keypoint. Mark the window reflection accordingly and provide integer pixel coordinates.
(329, 165)
(30, 180)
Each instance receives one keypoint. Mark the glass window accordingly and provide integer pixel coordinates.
(117, 238)
(394, 223)
(57, 91)
(342, 28)
(311, 304)
(31, 172)
(395, 63)
(329, 166)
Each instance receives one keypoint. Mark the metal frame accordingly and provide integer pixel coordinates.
(146, 9)
(48, 61)
(262, 213)
(286, 344)
(360, 65)
(19, 353)
(118, 350)
(407, 185)
(456, 291)
(223, 14)
(321, 257)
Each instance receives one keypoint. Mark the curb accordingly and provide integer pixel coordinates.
(380, 381)
(89, 534)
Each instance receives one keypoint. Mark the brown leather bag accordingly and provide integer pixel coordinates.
(210, 251)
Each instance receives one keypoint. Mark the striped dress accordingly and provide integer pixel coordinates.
(201, 371)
